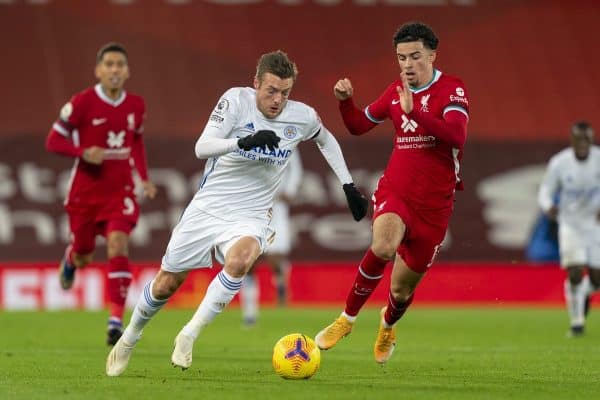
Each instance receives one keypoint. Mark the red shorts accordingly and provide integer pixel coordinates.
(425, 230)
(86, 221)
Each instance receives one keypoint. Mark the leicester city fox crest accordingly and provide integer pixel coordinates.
(290, 132)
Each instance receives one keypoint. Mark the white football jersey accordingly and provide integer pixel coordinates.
(245, 182)
(577, 184)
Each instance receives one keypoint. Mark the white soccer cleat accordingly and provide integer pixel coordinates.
(118, 358)
(182, 353)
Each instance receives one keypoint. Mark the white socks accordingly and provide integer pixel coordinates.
(249, 299)
(575, 296)
(350, 318)
(219, 294)
(146, 307)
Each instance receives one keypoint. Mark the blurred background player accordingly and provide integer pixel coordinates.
(248, 141)
(414, 197)
(543, 240)
(574, 174)
(101, 128)
(276, 254)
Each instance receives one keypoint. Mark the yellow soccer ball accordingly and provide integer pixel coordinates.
(296, 356)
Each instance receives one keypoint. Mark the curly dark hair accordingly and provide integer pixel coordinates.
(416, 31)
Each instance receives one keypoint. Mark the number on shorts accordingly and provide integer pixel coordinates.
(129, 206)
(436, 251)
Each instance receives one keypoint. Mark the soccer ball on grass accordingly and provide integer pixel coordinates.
(296, 356)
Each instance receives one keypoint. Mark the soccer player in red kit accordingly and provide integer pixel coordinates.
(414, 197)
(101, 128)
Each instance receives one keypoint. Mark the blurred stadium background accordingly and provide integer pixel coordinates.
(529, 66)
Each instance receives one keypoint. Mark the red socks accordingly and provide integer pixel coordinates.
(369, 274)
(396, 310)
(119, 279)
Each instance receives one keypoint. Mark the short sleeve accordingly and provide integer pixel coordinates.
(455, 98)
(70, 116)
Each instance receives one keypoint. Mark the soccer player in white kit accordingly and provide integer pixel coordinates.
(248, 141)
(276, 253)
(574, 175)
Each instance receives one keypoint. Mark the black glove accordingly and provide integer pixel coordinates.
(357, 203)
(262, 139)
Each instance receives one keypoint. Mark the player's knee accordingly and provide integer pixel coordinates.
(117, 247)
(401, 292)
(82, 250)
(383, 249)
(238, 265)
(575, 275)
(81, 260)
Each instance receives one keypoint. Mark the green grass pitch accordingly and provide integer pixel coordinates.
(449, 353)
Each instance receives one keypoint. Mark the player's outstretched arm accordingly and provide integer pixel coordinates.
(331, 150)
(354, 119)
(212, 143)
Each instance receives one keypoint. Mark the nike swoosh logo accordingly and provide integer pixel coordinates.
(395, 102)
(98, 121)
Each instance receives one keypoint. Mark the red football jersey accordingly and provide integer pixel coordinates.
(91, 118)
(422, 169)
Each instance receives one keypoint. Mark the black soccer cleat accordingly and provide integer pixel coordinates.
(576, 331)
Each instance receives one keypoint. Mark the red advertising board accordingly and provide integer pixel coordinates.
(26, 286)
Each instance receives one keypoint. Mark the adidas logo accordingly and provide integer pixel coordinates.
(249, 126)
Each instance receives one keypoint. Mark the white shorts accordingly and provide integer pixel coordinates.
(579, 247)
(198, 233)
(281, 224)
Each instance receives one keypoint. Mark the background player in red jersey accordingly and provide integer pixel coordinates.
(101, 128)
(414, 197)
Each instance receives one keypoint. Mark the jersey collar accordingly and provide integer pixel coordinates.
(108, 100)
(437, 74)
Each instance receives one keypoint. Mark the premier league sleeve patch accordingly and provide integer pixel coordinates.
(222, 106)
(66, 111)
